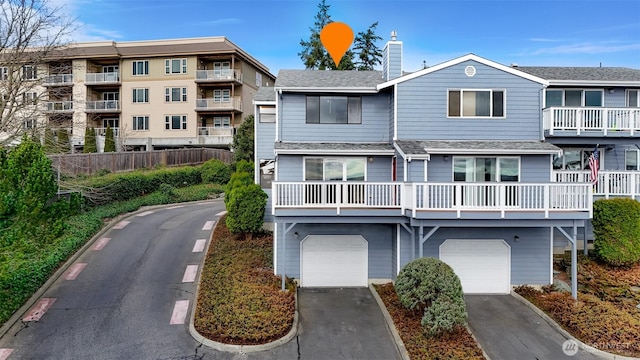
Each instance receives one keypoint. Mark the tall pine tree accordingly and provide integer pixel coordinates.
(109, 141)
(369, 55)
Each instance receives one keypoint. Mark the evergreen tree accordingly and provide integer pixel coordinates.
(63, 141)
(369, 55)
(109, 141)
(243, 141)
(313, 54)
(90, 145)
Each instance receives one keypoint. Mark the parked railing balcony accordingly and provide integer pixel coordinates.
(218, 75)
(58, 80)
(102, 106)
(610, 183)
(59, 106)
(233, 103)
(215, 131)
(586, 120)
(102, 78)
(103, 131)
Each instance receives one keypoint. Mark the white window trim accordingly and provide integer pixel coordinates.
(626, 96)
(145, 118)
(519, 158)
(224, 94)
(169, 121)
(324, 159)
(222, 122)
(637, 156)
(168, 66)
(133, 67)
(572, 89)
(462, 116)
(145, 95)
(588, 150)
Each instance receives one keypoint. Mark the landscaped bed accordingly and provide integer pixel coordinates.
(240, 299)
(605, 316)
(456, 345)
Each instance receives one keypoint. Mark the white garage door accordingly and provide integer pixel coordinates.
(333, 261)
(483, 266)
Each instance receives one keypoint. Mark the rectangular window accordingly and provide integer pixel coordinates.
(4, 73)
(176, 94)
(258, 79)
(476, 103)
(140, 123)
(140, 67)
(140, 95)
(221, 95)
(267, 171)
(221, 68)
(29, 98)
(267, 114)
(223, 122)
(486, 169)
(573, 98)
(633, 97)
(554, 98)
(29, 72)
(175, 122)
(334, 110)
(575, 159)
(334, 169)
(631, 159)
(175, 66)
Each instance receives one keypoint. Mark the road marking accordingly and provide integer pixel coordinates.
(121, 224)
(208, 225)
(179, 312)
(4, 353)
(190, 274)
(175, 207)
(100, 243)
(199, 245)
(74, 271)
(37, 311)
(221, 213)
(145, 213)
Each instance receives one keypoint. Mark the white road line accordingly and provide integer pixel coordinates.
(190, 274)
(145, 213)
(199, 245)
(208, 225)
(175, 207)
(4, 353)
(100, 243)
(37, 311)
(221, 213)
(179, 312)
(74, 271)
(121, 224)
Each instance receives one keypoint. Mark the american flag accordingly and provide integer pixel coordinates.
(594, 162)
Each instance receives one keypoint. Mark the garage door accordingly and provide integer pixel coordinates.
(333, 261)
(483, 266)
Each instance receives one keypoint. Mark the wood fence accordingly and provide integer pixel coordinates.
(89, 164)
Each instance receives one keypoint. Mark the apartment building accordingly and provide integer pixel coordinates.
(154, 94)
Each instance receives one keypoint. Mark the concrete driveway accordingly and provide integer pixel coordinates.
(342, 323)
(507, 329)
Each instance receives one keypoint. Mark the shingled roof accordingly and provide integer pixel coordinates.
(417, 147)
(265, 93)
(328, 79)
(582, 73)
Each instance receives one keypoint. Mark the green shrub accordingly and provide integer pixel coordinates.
(90, 145)
(215, 171)
(109, 141)
(430, 285)
(63, 141)
(245, 166)
(167, 190)
(616, 226)
(238, 179)
(245, 209)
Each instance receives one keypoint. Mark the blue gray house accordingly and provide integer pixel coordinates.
(367, 170)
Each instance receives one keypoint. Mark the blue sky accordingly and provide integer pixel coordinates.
(529, 33)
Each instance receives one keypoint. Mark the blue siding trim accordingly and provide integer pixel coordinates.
(265, 139)
(422, 106)
(533, 168)
(416, 171)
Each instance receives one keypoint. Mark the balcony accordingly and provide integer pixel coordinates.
(103, 106)
(58, 107)
(103, 131)
(58, 80)
(216, 76)
(110, 78)
(215, 135)
(433, 200)
(610, 183)
(229, 104)
(591, 121)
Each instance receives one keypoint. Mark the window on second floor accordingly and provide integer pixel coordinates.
(140, 67)
(221, 67)
(573, 97)
(476, 103)
(266, 114)
(575, 159)
(335, 169)
(334, 110)
(29, 98)
(175, 66)
(222, 122)
(221, 95)
(140, 95)
(140, 123)
(29, 72)
(176, 94)
(633, 98)
(486, 169)
(175, 122)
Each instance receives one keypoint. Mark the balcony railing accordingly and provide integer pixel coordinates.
(102, 106)
(102, 78)
(435, 197)
(103, 131)
(610, 183)
(59, 106)
(585, 120)
(218, 75)
(58, 80)
(214, 104)
(215, 131)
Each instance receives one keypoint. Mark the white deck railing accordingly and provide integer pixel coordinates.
(503, 197)
(215, 131)
(59, 79)
(59, 106)
(102, 105)
(218, 75)
(585, 119)
(337, 195)
(212, 104)
(610, 183)
(102, 78)
(103, 131)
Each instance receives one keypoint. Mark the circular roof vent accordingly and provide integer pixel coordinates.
(470, 71)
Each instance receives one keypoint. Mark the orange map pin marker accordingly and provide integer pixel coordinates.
(336, 38)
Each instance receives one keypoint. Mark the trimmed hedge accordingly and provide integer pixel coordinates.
(215, 171)
(246, 208)
(429, 285)
(616, 226)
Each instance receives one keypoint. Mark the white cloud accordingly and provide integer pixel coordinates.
(587, 48)
(227, 21)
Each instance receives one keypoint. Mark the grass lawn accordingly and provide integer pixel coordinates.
(239, 301)
(605, 315)
(457, 345)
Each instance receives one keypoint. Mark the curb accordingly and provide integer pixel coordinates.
(583, 346)
(241, 349)
(64, 267)
(484, 353)
(404, 354)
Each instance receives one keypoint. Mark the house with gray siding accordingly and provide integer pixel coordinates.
(367, 170)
